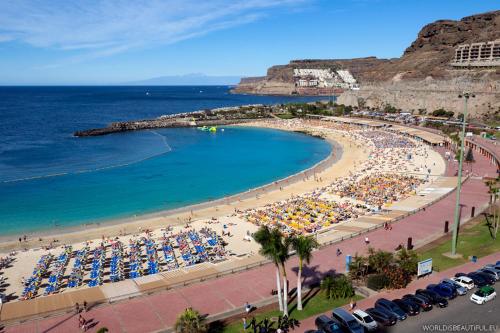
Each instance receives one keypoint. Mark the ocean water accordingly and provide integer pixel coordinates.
(48, 178)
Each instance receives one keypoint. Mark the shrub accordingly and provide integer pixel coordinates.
(408, 261)
(398, 278)
(377, 281)
(337, 287)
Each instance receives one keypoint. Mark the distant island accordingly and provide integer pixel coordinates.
(193, 79)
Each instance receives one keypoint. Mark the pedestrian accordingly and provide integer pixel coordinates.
(82, 323)
(248, 307)
(77, 308)
(367, 241)
(85, 306)
(244, 323)
(352, 304)
(338, 252)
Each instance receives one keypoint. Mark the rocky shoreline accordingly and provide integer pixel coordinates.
(215, 117)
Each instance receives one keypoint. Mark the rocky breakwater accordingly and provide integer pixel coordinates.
(215, 117)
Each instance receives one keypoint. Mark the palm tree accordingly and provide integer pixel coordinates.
(494, 191)
(283, 246)
(303, 246)
(358, 267)
(190, 321)
(328, 285)
(268, 248)
(379, 260)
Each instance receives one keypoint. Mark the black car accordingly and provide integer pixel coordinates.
(422, 301)
(433, 297)
(383, 317)
(487, 277)
(479, 281)
(391, 307)
(460, 274)
(411, 308)
(327, 324)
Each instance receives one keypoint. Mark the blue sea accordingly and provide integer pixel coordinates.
(48, 178)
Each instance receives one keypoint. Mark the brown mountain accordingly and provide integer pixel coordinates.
(422, 78)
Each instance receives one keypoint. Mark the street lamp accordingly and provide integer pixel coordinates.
(456, 223)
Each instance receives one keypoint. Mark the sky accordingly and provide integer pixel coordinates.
(72, 42)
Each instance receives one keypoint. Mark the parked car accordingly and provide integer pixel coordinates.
(327, 325)
(460, 274)
(391, 307)
(488, 278)
(433, 297)
(409, 307)
(453, 284)
(423, 302)
(483, 295)
(492, 272)
(314, 331)
(479, 281)
(347, 321)
(443, 290)
(365, 320)
(495, 267)
(464, 281)
(383, 317)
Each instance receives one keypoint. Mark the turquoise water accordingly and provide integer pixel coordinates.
(163, 169)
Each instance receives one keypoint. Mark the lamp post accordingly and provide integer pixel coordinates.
(456, 223)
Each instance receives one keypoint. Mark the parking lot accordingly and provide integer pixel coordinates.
(460, 311)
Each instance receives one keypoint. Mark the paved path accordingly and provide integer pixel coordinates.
(412, 287)
(158, 311)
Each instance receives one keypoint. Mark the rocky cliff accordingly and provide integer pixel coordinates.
(421, 78)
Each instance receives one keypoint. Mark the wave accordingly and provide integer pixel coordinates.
(114, 166)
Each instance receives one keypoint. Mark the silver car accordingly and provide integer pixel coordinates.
(365, 320)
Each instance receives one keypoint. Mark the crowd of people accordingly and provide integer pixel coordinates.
(377, 190)
(304, 214)
(388, 175)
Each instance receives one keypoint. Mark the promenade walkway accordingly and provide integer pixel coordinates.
(158, 311)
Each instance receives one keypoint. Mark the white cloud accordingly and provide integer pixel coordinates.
(100, 28)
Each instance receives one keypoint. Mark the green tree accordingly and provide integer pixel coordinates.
(407, 260)
(190, 321)
(303, 246)
(379, 260)
(358, 266)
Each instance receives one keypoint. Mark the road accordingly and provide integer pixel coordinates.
(460, 311)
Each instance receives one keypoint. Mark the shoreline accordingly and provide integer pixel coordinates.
(130, 225)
